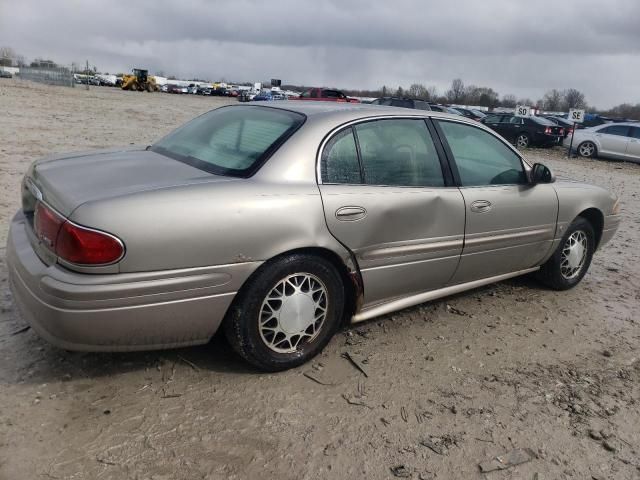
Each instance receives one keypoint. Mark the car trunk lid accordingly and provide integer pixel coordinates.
(66, 182)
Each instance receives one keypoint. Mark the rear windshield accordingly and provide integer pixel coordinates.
(233, 141)
(543, 121)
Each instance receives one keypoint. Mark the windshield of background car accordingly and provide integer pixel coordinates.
(543, 121)
(233, 141)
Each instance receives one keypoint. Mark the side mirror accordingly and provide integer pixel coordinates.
(541, 174)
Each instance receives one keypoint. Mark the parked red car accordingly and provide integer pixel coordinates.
(325, 95)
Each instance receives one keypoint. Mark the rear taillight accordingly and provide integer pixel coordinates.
(73, 243)
(46, 224)
(547, 130)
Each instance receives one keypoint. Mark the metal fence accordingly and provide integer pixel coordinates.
(51, 76)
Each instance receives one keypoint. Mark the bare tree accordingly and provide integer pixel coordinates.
(7, 55)
(432, 93)
(508, 101)
(552, 100)
(417, 90)
(456, 93)
(573, 99)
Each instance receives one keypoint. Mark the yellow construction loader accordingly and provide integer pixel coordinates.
(140, 81)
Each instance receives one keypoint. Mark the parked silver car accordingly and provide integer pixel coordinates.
(620, 141)
(280, 222)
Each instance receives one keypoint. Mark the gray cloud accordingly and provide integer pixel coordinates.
(515, 47)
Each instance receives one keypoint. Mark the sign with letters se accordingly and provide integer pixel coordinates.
(576, 115)
(523, 111)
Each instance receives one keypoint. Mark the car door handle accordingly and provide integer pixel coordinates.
(481, 206)
(350, 214)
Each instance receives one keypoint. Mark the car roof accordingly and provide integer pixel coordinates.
(345, 112)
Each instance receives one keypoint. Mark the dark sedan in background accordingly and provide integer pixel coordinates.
(526, 131)
(402, 102)
(471, 113)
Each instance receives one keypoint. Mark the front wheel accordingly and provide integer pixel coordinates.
(523, 140)
(287, 312)
(571, 260)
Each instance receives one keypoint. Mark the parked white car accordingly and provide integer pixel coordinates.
(620, 141)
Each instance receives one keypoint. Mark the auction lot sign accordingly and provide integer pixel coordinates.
(576, 115)
(523, 111)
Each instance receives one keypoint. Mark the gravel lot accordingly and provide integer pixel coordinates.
(449, 384)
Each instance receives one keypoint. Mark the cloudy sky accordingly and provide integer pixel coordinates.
(514, 46)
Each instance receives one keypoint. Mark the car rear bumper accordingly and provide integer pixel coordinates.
(547, 140)
(119, 312)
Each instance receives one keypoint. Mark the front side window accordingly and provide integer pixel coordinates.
(620, 130)
(231, 141)
(481, 158)
(339, 162)
(635, 132)
(398, 152)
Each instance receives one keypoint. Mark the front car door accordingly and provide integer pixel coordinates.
(510, 224)
(388, 196)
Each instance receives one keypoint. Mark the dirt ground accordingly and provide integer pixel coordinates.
(448, 385)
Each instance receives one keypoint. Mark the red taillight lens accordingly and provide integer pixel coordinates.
(81, 245)
(547, 130)
(74, 243)
(46, 224)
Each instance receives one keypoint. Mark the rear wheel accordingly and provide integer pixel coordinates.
(587, 149)
(572, 258)
(523, 140)
(287, 312)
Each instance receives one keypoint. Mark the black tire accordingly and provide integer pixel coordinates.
(242, 322)
(587, 149)
(523, 140)
(551, 273)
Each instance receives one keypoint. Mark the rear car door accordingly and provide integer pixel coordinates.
(499, 123)
(633, 147)
(388, 196)
(613, 140)
(512, 126)
(510, 224)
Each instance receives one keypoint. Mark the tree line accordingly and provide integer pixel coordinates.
(473, 95)
(554, 100)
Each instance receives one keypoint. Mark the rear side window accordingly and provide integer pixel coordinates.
(481, 158)
(492, 119)
(230, 140)
(399, 102)
(542, 121)
(339, 163)
(398, 152)
(621, 130)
